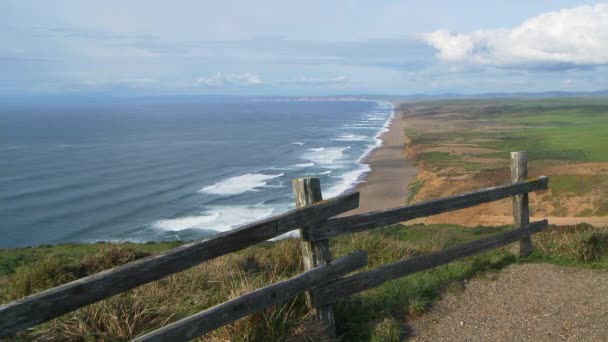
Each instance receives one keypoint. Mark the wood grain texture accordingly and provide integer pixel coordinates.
(227, 312)
(521, 208)
(314, 253)
(361, 222)
(45, 305)
(344, 287)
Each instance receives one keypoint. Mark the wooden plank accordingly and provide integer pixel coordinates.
(227, 312)
(361, 222)
(344, 287)
(314, 253)
(521, 208)
(40, 307)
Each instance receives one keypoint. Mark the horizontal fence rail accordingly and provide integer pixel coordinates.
(356, 223)
(51, 303)
(227, 312)
(344, 287)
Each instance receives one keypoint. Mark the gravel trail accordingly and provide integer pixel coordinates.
(527, 302)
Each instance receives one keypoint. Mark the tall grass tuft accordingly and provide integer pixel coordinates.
(581, 242)
(108, 257)
(381, 249)
(46, 273)
(389, 330)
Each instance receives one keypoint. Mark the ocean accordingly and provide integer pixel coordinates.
(151, 169)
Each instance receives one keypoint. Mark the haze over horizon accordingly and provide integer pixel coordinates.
(311, 48)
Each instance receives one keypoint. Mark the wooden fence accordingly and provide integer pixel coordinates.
(324, 281)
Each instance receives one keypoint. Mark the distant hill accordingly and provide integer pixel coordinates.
(426, 97)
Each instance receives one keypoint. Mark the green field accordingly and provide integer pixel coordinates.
(560, 129)
(573, 129)
(554, 132)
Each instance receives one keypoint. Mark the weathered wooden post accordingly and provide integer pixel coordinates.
(314, 253)
(521, 209)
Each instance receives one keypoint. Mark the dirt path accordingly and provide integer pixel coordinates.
(529, 302)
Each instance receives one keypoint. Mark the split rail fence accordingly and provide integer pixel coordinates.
(324, 281)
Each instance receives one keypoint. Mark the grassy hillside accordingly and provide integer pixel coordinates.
(379, 314)
(547, 129)
(565, 138)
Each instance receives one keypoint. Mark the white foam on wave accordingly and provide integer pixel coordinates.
(351, 137)
(219, 218)
(297, 143)
(377, 138)
(350, 179)
(223, 218)
(11, 147)
(325, 156)
(347, 181)
(361, 125)
(302, 165)
(239, 184)
(186, 222)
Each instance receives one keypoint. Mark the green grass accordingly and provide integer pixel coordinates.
(10, 259)
(414, 187)
(574, 130)
(434, 158)
(554, 129)
(602, 210)
(444, 159)
(578, 184)
(549, 102)
(379, 314)
(422, 234)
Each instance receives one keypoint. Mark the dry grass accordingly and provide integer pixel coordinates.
(389, 330)
(581, 242)
(380, 249)
(150, 306)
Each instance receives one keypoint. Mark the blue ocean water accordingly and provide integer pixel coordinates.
(171, 168)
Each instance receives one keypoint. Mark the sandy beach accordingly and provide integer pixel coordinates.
(386, 186)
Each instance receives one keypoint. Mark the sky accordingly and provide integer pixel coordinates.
(311, 47)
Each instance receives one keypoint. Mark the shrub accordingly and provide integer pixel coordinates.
(108, 257)
(389, 330)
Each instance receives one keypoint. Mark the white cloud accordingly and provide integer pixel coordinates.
(219, 80)
(568, 38)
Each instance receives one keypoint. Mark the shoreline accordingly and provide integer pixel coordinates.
(386, 184)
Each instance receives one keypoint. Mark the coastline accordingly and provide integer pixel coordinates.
(386, 185)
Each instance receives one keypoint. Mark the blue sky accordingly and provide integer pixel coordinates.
(301, 48)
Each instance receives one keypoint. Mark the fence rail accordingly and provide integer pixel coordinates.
(357, 223)
(366, 280)
(222, 314)
(45, 305)
(320, 281)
